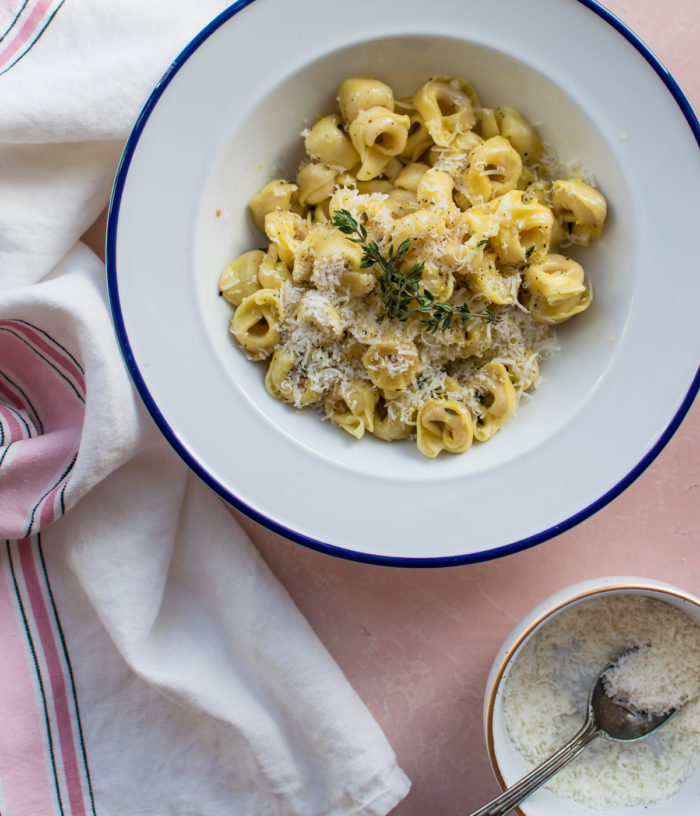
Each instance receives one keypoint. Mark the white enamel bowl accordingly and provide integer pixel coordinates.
(508, 764)
(226, 117)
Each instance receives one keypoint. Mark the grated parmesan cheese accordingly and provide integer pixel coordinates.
(547, 689)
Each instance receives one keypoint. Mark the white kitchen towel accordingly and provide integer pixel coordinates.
(151, 663)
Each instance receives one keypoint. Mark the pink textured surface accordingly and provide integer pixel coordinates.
(418, 644)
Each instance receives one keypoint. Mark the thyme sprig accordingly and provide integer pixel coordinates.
(401, 290)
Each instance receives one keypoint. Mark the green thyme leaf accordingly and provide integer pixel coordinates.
(344, 221)
(401, 290)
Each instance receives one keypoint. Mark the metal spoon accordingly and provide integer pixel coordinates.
(606, 718)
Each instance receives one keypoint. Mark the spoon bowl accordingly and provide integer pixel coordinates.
(618, 720)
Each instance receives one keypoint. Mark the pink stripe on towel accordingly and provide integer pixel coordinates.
(33, 470)
(47, 346)
(56, 681)
(30, 28)
(27, 777)
(13, 424)
(42, 386)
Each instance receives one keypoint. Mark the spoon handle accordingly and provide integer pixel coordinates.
(538, 776)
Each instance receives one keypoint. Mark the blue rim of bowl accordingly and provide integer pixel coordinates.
(232, 499)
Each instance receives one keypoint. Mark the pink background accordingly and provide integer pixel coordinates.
(418, 644)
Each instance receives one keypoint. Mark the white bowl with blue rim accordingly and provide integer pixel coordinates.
(226, 117)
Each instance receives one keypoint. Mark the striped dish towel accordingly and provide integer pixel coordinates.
(151, 663)
(42, 387)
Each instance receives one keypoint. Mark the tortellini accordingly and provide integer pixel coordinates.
(494, 391)
(315, 183)
(446, 106)
(285, 380)
(444, 425)
(327, 142)
(275, 195)
(581, 207)
(512, 125)
(495, 168)
(286, 230)
(378, 134)
(554, 290)
(414, 266)
(351, 407)
(391, 364)
(359, 94)
(387, 423)
(240, 278)
(256, 323)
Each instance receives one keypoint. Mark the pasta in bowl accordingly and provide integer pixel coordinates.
(414, 268)
(225, 122)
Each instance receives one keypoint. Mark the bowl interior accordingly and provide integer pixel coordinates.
(265, 143)
(510, 766)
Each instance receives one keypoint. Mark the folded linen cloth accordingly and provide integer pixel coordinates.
(151, 663)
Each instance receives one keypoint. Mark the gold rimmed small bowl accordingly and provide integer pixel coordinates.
(507, 762)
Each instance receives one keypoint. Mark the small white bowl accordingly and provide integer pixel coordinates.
(508, 764)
